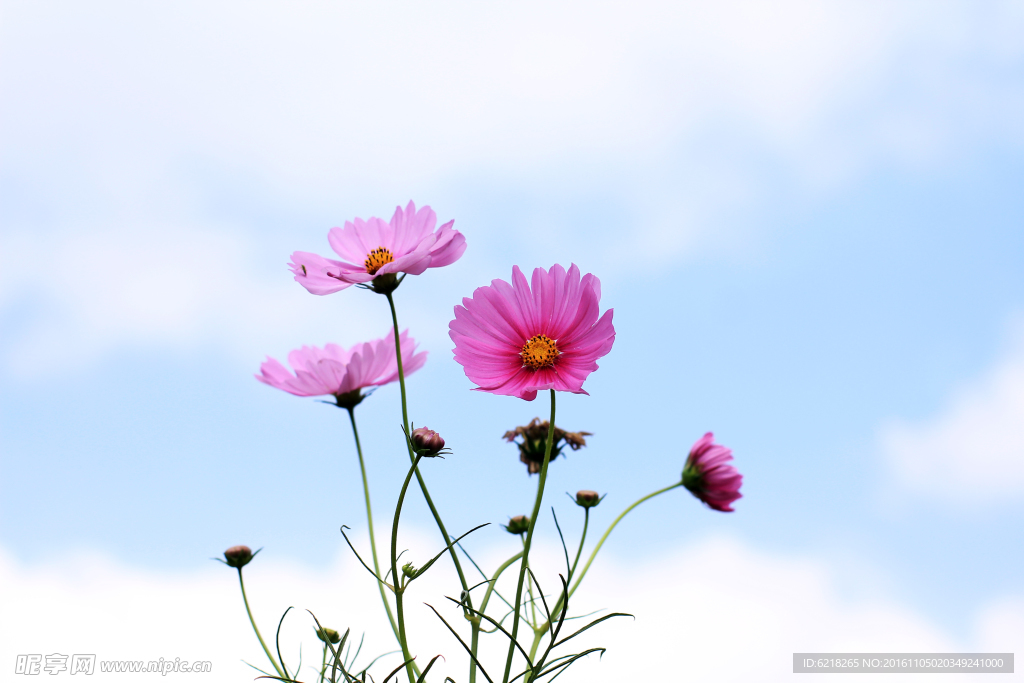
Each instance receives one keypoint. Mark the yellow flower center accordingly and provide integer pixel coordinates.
(377, 258)
(539, 352)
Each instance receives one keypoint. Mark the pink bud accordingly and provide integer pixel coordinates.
(427, 440)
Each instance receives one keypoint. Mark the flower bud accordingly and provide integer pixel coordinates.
(427, 440)
(238, 556)
(519, 524)
(328, 634)
(587, 499)
(409, 570)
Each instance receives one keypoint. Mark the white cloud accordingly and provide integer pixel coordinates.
(727, 612)
(685, 115)
(973, 450)
(168, 285)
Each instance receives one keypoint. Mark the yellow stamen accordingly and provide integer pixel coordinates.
(377, 258)
(539, 352)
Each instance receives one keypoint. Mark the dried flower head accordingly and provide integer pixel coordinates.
(533, 438)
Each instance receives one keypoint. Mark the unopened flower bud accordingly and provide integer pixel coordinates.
(238, 556)
(519, 524)
(409, 570)
(427, 440)
(587, 499)
(328, 634)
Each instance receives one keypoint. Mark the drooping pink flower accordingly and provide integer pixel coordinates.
(333, 371)
(518, 339)
(709, 476)
(372, 249)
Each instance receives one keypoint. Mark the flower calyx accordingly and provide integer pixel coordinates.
(588, 499)
(532, 441)
(428, 443)
(518, 525)
(238, 556)
(328, 635)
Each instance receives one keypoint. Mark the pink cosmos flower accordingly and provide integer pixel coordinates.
(518, 339)
(709, 476)
(371, 249)
(343, 374)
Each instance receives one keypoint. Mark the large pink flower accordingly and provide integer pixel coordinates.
(373, 248)
(709, 476)
(343, 374)
(518, 339)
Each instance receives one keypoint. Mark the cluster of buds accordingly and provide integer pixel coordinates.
(533, 439)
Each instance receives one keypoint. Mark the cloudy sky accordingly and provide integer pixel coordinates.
(808, 218)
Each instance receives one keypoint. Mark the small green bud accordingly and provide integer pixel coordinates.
(519, 524)
(409, 570)
(328, 634)
(587, 499)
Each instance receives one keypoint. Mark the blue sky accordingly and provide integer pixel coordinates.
(809, 223)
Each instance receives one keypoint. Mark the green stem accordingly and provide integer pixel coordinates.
(419, 477)
(530, 595)
(529, 542)
(369, 522)
(252, 621)
(323, 665)
(613, 525)
(538, 632)
(475, 639)
(397, 578)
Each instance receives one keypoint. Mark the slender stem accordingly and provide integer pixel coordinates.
(529, 593)
(323, 665)
(475, 638)
(396, 577)
(369, 522)
(529, 541)
(613, 525)
(252, 621)
(419, 477)
(583, 537)
(538, 633)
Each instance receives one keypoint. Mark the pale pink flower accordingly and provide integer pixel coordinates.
(333, 371)
(709, 476)
(518, 339)
(371, 249)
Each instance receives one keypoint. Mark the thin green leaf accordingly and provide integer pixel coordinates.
(446, 549)
(457, 636)
(423, 676)
(372, 573)
(594, 623)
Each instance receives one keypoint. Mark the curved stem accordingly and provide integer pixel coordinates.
(475, 638)
(529, 542)
(369, 523)
(613, 525)
(419, 477)
(252, 621)
(396, 577)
